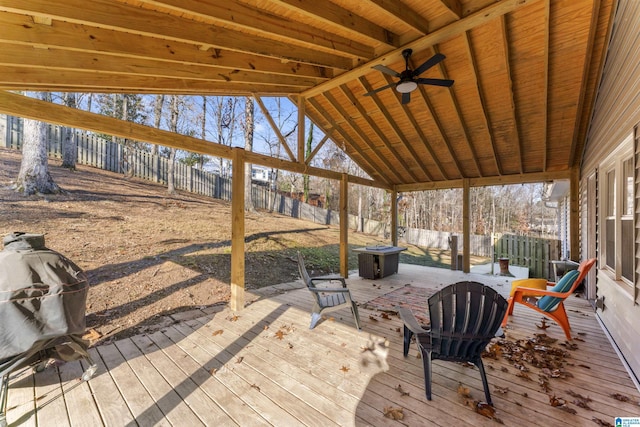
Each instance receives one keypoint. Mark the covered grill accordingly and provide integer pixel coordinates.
(42, 309)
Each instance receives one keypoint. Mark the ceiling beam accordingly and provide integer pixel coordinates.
(545, 95)
(454, 7)
(30, 108)
(345, 20)
(404, 13)
(135, 20)
(525, 178)
(467, 23)
(21, 30)
(263, 23)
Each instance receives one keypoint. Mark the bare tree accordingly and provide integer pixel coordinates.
(157, 116)
(249, 126)
(69, 143)
(34, 176)
(173, 126)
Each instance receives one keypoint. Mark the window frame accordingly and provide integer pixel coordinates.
(613, 208)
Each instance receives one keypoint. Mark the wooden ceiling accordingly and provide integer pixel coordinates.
(526, 72)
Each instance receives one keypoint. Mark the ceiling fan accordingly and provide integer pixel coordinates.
(409, 80)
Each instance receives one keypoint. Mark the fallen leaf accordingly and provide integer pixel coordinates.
(265, 327)
(543, 324)
(255, 386)
(218, 332)
(601, 423)
(463, 391)
(371, 317)
(394, 413)
(501, 390)
(213, 371)
(401, 391)
(620, 397)
(385, 316)
(239, 359)
(290, 345)
(485, 409)
(233, 318)
(279, 334)
(344, 369)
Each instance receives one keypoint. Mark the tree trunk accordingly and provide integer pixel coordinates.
(34, 174)
(157, 115)
(248, 146)
(172, 154)
(69, 143)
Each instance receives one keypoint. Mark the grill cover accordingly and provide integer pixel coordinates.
(42, 296)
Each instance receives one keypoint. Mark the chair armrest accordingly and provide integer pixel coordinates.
(410, 321)
(329, 279)
(329, 290)
(532, 292)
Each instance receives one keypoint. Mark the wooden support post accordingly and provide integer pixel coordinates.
(466, 227)
(301, 129)
(574, 214)
(344, 226)
(237, 231)
(394, 217)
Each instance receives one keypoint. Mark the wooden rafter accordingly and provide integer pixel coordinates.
(454, 7)
(275, 128)
(335, 15)
(365, 140)
(365, 154)
(422, 139)
(514, 117)
(480, 95)
(459, 27)
(405, 167)
(396, 129)
(403, 13)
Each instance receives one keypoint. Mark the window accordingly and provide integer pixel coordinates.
(617, 174)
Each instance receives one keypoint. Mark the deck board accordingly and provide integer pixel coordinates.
(263, 366)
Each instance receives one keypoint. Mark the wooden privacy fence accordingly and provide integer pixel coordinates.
(532, 252)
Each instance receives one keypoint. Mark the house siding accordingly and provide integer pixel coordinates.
(616, 115)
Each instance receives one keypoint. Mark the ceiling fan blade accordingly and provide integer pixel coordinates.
(435, 82)
(435, 59)
(379, 89)
(386, 70)
(406, 97)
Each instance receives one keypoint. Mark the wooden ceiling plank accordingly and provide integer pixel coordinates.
(121, 17)
(514, 115)
(367, 166)
(267, 24)
(418, 129)
(463, 127)
(403, 13)
(396, 129)
(379, 158)
(19, 29)
(545, 124)
(345, 20)
(275, 128)
(577, 144)
(493, 11)
(19, 56)
(485, 117)
(345, 90)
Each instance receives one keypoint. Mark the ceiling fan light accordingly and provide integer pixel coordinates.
(406, 86)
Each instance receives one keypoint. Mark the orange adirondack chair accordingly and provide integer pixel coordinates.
(549, 302)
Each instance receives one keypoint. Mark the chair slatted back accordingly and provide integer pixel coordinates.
(464, 318)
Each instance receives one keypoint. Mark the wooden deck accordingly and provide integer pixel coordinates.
(264, 366)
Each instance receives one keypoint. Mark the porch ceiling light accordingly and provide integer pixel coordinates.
(406, 86)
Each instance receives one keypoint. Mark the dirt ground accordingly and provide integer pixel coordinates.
(148, 254)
